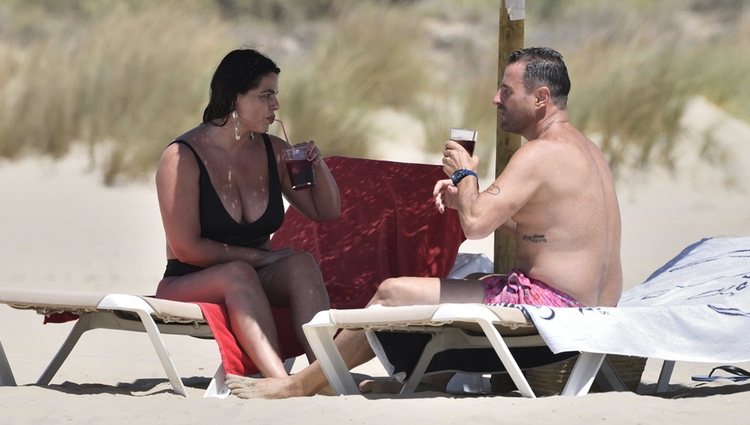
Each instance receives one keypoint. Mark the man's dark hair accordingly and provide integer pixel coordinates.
(544, 67)
(240, 70)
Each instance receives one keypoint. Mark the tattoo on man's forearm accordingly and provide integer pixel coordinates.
(535, 238)
(493, 190)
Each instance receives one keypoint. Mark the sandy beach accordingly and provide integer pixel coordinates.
(62, 229)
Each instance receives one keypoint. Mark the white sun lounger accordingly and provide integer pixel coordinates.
(698, 302)
(501, 328)
(125, 312)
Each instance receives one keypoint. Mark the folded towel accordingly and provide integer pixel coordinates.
(60, 317)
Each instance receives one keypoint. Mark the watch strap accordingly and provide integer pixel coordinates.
(459, 175)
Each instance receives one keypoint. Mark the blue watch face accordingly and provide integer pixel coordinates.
(458, 175)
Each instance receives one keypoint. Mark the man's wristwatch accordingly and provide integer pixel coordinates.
(459, 174)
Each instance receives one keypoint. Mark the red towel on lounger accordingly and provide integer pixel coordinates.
(234, 360)
(389, 227)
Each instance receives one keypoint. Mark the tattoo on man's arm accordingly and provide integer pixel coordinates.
(493, 190)
(535, 238)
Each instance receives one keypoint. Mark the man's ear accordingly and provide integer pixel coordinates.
(542, 96)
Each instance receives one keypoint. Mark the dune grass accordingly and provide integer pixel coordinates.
(110, 85)
(127, 77)
(640, 62)
(356, 67)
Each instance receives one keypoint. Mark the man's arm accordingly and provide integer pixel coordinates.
(509, 226)
(481, 213)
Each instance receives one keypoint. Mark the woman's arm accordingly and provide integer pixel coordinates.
(318, 203)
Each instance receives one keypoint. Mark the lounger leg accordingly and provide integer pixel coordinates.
(424, 360)
(289, 364)
(583, 374)
(82, 325)
(319, 334)
(161, 351)
(6, 374)
(506, 358)
(664, 376)
(608, 379)
(218, 387)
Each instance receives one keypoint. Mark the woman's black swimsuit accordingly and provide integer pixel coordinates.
(218, 225)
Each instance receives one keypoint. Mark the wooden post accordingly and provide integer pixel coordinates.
(512, 14)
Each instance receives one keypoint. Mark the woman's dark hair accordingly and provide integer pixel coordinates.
(240, 70)
(544, 67)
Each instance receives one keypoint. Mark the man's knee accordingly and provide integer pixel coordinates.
(389, 292)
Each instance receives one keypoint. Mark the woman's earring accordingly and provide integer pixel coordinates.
(252, 135)
(236, 126)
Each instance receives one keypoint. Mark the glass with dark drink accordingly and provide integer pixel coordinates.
(299, 168)
(464, 137)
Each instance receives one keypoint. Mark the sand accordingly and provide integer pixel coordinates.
(62, 229)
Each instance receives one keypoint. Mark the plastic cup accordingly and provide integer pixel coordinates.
(464, 137)
(300, 170)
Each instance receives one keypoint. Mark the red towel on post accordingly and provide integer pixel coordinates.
(389, 227)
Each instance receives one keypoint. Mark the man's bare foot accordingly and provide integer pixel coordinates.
(270, 388)
(392, 386)
(380, 386)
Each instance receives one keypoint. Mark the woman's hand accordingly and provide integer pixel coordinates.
(313, 153)
(273, 256)
(446, 195)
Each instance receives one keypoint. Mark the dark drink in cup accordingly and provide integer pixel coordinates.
(300, 170)
(468, 145)
(464, 137)
(300, 173)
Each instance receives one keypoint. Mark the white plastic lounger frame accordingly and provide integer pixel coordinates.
(443, 321)
(6, 374)
(115, 311)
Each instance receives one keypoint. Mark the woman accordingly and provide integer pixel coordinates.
(219, 187)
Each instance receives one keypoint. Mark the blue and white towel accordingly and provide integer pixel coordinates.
(694, 308)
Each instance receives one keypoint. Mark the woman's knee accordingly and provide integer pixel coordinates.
(302, 267)
(302, 261)
(238, 275)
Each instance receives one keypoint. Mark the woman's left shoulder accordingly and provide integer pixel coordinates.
(277, 143)
(276, 140)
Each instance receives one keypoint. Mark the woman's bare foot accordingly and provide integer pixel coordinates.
(269, 388)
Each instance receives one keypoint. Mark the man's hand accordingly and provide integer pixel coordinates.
(446, 195)
(455, 157)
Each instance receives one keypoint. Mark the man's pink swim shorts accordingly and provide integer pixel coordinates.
(516, 288)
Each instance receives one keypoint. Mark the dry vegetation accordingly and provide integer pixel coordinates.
(124, 77)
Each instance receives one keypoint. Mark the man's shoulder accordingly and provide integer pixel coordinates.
(540, 149)
(557, 145)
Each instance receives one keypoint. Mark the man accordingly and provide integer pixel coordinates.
(556, 196)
